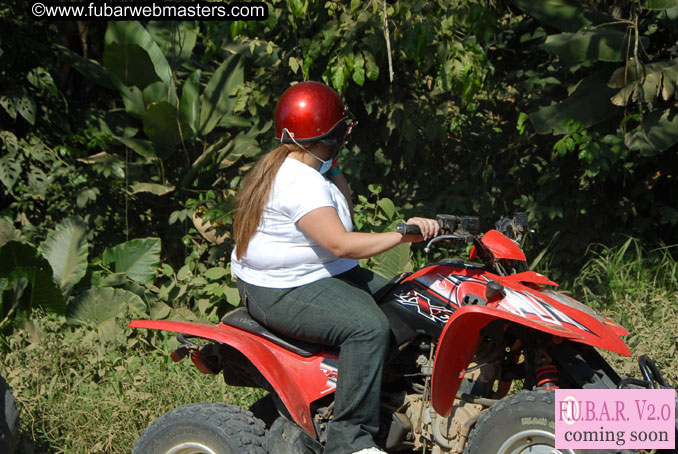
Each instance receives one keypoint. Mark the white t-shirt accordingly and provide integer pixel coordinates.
(280, 254)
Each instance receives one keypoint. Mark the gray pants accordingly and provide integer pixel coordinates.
(339, 312)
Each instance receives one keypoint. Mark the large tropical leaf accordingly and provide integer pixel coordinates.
(132, 97)
(10, 170)
(99, 305)
(127, 33)
(159, 91)
(565, 15)
(655, 80)
(393, 261)
(140, 146)
(88, 68)
(218, 99)
(138, 259)
(176, 39)
(165, 127)
(588, 105)
(23, 261)
(660, 4)
(603, 44)
(65, 249)
(131, 63)
(658, 132)
(9, 233)
(189, 105)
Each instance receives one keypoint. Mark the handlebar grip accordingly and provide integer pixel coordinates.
(408, 229)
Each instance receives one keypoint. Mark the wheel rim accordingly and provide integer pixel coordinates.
(532, 442)
(191, 448)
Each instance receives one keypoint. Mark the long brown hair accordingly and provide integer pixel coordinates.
(249, 205)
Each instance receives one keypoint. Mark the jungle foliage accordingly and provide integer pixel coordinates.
(115, 137)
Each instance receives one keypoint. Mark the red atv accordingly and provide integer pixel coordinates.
(463, 336)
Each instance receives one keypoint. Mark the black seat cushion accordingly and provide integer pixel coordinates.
(240, 318)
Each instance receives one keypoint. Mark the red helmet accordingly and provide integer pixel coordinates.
(309, 111)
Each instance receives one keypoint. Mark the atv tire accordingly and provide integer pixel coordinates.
(204, 428)
(523, 422)
(9, 419)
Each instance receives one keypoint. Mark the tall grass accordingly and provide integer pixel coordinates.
(79, 395)
(638, 288)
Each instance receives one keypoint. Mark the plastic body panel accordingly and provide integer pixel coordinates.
(297, 380)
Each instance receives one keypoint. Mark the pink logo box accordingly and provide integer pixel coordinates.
(615, 418)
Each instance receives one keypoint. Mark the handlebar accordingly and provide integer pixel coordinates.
(467, 227)
(408, 229)
(449, 224)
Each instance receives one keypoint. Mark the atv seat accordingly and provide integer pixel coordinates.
(240, 318)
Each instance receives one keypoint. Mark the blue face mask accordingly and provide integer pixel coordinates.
(324, 166)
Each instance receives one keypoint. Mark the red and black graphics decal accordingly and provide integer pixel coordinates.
(430, 308)
(454, 286)
(448, 286)
(531, 306)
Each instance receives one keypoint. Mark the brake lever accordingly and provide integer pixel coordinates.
(427, 249)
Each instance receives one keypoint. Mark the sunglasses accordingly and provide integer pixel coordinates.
(336, 138)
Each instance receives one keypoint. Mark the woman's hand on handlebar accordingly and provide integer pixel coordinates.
(429, 228)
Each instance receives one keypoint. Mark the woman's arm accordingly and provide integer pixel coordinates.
(325, 228)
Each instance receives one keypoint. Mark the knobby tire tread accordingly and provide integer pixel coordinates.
(237, 425)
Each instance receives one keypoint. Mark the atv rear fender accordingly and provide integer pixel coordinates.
(297, 380)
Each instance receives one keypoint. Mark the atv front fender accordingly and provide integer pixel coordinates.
(297, 380)
(461, 339)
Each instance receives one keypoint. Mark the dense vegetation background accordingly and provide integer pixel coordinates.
(114, 136)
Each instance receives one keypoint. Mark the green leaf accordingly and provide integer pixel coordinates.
(297, 7)
(294, 64)
(218, 99)
(189, 105)
(162, 125)
(153, 188)
(25, 106)
(97, 306)
(138, 259)
(132, 97)
(131, 63)
(127, 33)
(215, 273)
(603, 44)
(66, 250)
(160, 311)
(88, 68)
(387, 207)
(371, 67)
(658, 132)
(22, 261)
(393, 261)
(142, 147)
(159, 91)
(660, 4)
(175, 39)
(658, 79)
(565, 15)
(10, 170)
(588, 105)
(358, 74)
(9, 233)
